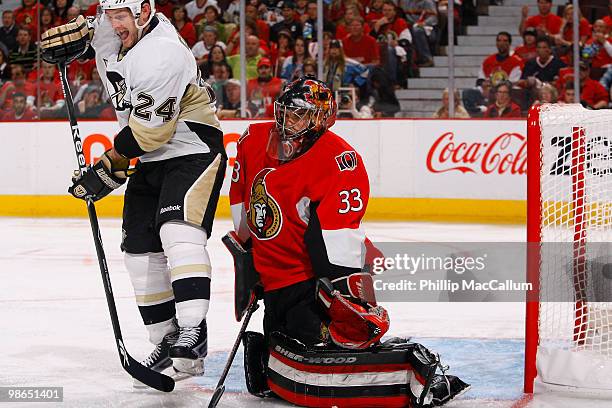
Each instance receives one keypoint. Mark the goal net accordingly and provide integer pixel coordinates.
(569, 327)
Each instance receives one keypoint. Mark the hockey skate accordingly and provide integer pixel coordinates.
(159, 359)
(188, 352)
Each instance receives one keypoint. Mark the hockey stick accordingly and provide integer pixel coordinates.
(143, 374)
(220, 389)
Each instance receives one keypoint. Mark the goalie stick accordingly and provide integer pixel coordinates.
(143, 374)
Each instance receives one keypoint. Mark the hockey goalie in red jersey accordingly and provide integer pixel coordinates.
(298, 195)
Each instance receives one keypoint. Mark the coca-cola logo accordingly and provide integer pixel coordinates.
(505, 154)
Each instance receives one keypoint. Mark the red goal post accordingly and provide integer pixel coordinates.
(568, 335)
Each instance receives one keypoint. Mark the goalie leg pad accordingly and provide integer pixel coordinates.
(316, 377)
(255, 363)
(446, 387)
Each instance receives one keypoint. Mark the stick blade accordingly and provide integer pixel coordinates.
(216, 396)
(148, 377)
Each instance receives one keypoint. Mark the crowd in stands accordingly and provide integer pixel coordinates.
(369, 47)
(540, 70)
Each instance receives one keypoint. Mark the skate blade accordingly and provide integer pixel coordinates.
(185, 367)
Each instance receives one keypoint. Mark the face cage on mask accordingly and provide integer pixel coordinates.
(313, 116)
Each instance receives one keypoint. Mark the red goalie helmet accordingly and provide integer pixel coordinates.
(303, 112)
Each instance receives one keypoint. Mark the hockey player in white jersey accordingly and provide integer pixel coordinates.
(167, 120)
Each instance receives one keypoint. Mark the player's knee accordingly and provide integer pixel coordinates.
(147, 272)
(184, 244)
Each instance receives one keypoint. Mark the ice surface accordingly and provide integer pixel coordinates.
(55, 329)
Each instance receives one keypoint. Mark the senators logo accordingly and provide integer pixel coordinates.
(347, 160)
(264, 216)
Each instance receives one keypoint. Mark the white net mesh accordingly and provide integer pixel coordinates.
(576, 232)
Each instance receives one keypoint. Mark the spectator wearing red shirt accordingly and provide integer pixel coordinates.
(592, 93)
(599, 46)
(360, 46)
(18, 83)
(27, 15)
(566, 37)
(374, 11)
(51, 99)
(343, 29)
(80, 71)
(503, 106)
(390, 21)
(545, 22)
(49, 83)
(60, 9)
(183, 25)
(47, 20)
(527, 51)
(502, 66)
(92, 9)
(263, 30)
(20, 109)
(165, 7)
(263, 90)
(608, 19)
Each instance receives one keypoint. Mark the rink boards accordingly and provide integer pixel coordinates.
(444, 170)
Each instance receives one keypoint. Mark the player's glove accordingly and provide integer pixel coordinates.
(102, 178)
(354, 324)
(67, 42)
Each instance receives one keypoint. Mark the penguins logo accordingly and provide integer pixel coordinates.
(117, 98)
(264, 216)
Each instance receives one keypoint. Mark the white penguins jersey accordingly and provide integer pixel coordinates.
(156, 90)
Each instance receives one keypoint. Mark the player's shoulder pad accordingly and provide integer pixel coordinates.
(257, 133)
(340, 155)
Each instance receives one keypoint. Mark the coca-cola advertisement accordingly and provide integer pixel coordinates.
(472, 159)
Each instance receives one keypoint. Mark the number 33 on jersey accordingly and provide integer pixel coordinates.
(320, 196)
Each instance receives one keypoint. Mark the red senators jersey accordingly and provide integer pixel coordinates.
(496, 69)
(303, 215)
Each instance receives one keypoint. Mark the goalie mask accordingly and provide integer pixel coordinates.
(304, 111)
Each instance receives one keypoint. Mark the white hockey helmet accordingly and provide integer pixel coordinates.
(135, 7)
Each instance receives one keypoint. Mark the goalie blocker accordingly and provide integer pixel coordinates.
(396, 373)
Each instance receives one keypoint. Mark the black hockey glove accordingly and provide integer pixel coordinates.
(99, 180)
(67, 42)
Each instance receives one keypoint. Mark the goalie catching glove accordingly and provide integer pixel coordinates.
(102, 178)
(67, 42)
(356, 322)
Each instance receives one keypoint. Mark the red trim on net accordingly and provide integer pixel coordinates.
(534, 237)
(356, 402)
(344, 369)
(579, 218)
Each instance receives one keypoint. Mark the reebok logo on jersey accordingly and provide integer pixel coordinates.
(170, 208)
(347, 160)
